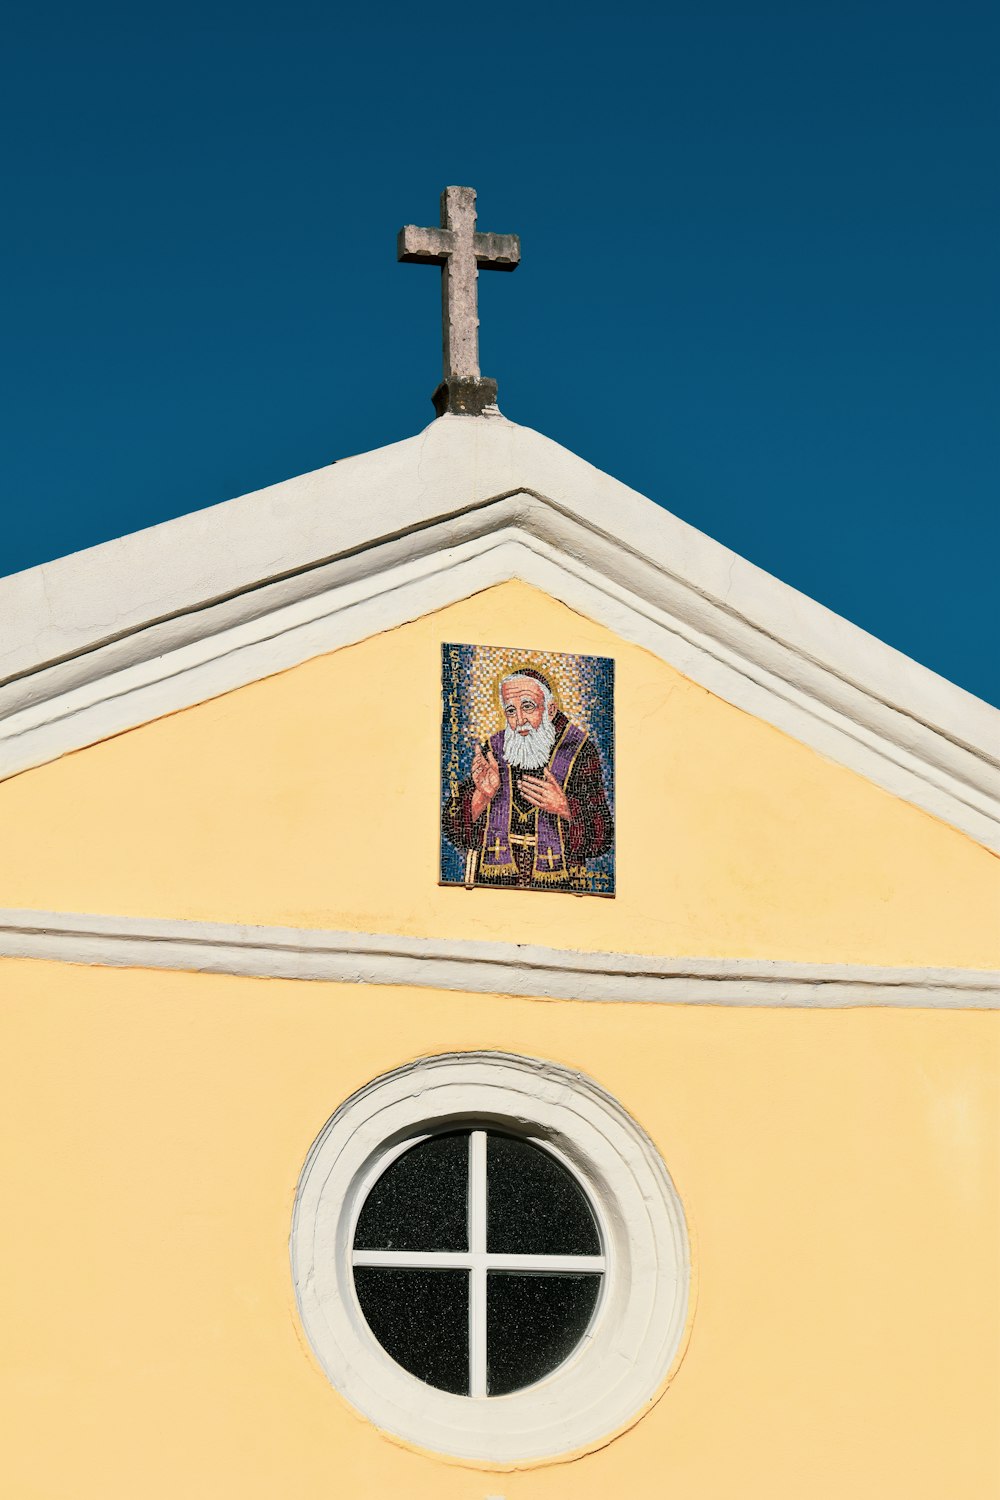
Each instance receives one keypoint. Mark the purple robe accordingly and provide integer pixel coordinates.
(549, 861)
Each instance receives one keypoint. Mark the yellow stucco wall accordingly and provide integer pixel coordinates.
(837, 1170)
(311, 799)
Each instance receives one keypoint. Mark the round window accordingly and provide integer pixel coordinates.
(490, 1259)
(477, 1261)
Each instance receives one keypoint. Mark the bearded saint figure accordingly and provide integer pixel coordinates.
(534, 809)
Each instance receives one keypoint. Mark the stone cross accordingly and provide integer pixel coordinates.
(460, 251)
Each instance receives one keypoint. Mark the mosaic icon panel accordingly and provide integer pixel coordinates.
(527, 770)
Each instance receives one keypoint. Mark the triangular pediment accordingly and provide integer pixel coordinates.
(113, 637)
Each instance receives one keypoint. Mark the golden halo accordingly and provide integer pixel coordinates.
(491, 664)
(524, 665)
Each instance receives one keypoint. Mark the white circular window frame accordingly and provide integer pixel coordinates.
(625, 1358)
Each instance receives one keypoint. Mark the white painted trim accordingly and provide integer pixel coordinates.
(199, 606)
(634, 1340)
(482, 967)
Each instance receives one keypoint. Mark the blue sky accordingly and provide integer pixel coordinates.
(758, 277)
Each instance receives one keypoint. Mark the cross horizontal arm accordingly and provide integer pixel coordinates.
(426, 247)
(466, 1260)
(497, 252)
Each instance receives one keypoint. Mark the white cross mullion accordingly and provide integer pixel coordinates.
(477, 1257)
(461, 1260)
(478, 1262)
(545, 1263)
(414, 1260)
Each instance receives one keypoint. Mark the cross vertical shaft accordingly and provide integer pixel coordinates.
(460, 252)
(459, 286)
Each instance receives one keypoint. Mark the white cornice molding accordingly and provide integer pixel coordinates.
(172, 616)
(481, 967)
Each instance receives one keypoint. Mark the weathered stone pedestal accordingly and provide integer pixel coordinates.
(465, 398)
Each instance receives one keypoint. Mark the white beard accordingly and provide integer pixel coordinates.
(529, 752)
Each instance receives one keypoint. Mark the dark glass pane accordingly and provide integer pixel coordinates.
(534, 1206)
(421, 1318)
(533, 1323)
(421, 1201)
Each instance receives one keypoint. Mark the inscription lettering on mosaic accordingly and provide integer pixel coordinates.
(527, 770)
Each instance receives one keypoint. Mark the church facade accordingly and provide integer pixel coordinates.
(488, 1074)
